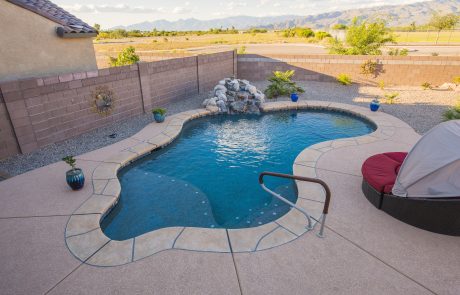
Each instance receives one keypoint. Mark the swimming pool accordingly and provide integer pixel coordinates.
(208, 176)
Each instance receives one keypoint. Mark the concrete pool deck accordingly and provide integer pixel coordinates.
(365, 251)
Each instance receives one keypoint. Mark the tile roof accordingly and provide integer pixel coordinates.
(71, 26)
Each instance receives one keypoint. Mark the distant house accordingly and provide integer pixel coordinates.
(39, 38)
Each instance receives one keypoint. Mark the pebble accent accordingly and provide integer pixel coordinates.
(88, 243)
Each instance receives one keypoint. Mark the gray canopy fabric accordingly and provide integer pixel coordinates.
(432, 167)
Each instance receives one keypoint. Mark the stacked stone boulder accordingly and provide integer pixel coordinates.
(234, 96)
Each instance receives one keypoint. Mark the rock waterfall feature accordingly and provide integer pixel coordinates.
(234, 96)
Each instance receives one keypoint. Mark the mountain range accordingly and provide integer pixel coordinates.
(394, 15)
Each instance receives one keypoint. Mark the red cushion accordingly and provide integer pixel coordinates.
(380, 170)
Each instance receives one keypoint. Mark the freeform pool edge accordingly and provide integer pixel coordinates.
(87, 242)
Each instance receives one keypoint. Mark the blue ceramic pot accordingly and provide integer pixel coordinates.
(159, 117)
(75, 178)
(294, 97)
(374, 105)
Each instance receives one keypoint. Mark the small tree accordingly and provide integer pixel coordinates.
(97, 27)
(127, 57)
(362, 38)
(443, 22)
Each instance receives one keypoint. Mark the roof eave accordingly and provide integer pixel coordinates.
(61, 32)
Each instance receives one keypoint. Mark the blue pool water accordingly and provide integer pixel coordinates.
(208, 177)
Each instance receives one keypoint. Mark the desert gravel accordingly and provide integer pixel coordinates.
(421, 109)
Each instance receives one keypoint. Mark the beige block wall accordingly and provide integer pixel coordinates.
(30, 46)
(45, 110)
(400, 70)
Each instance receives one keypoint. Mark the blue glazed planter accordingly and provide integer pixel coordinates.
(75, 178)
(374, 105)
(294, 97)
(159, 117)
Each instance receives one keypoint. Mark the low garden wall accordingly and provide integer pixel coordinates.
(40, 111)
(392, 70)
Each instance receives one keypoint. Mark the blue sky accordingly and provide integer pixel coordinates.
(112, 13)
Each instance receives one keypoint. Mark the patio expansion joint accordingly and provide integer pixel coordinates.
(379, 259)
(77, 267)
(234, 262)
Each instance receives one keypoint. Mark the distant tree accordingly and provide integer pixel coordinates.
(127, 57)
(443, 22)
(412, 27)
(362, 38)
(97, 27)
(339, 27)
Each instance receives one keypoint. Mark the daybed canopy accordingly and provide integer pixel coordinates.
(432, 167)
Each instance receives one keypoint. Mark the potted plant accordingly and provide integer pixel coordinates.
(75, 177)
(375, 104)
(159, 114)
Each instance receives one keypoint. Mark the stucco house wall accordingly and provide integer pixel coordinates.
(30, 46)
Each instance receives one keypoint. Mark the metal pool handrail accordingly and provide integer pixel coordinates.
(301, 178)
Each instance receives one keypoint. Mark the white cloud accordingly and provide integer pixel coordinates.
(232, 5)
(182, 9)
(119, 8)
(277, 4)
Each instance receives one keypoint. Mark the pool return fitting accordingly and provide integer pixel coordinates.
(310, 225)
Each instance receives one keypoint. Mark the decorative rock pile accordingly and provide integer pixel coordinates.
(234, 96)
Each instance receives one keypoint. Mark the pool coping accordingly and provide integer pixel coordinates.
(87, 242)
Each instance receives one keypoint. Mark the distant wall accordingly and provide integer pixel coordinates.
(30, 46)
(393, 70)
(36, 112)
(102, 58)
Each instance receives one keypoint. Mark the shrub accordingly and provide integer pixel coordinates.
(160, 111)
(241, 50)
(381, 85)
(320, 35)
(434, 54)
(456, 80)
(281, 84)
(391, 97)
(397, 51)
(369, 67)
(426, 86)
(452, 113)
(339, 27)
(127, 57)
(344, 79)
(299, 32)
(70, 160)
(362, 38)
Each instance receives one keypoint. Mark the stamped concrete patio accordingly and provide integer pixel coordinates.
(365, 251)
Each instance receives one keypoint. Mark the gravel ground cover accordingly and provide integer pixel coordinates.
(421, 109)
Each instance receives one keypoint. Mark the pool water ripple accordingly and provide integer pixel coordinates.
(208, 176)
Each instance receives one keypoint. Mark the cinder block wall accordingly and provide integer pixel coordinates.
(168, 80)
(393, 70)
(214, 67)
(39, 111)
(8, 143)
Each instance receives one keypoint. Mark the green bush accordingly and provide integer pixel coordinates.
(426, 86)
(127, 57)
(397, 51)
(391, 97)
(362, 38)
(344, 79)
(299, 32)
(281, 84)
(241, 50)
(70, 160)
(339, 27)
(456, 80)
(452, 113)
(320, 35)
(160, 111)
